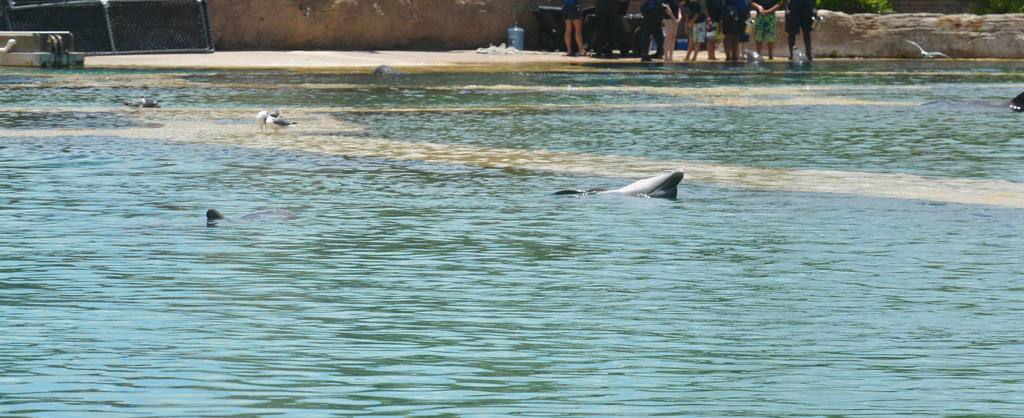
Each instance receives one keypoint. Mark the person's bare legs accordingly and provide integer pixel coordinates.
(578, 23)
(691, 47)
(572, 27)
(670, 38)
(568, 37)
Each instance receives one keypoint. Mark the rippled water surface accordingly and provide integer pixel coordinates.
(837, 246)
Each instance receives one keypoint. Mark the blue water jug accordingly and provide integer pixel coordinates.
(515, 36)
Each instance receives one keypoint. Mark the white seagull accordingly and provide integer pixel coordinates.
(261, 119)
(275, 121)
(926, 54)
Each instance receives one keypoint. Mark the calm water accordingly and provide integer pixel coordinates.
(419, 278)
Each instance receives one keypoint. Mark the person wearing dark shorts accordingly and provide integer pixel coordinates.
(715, 9)
(652, 11)
(734, 23)
(799, 16)
(606, 17)
(573, 23)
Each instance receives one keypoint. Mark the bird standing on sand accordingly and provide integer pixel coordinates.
(261, 119)
(926, 54)
(275, 121)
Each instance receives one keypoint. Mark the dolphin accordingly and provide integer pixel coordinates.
(663, 186)
(753, 57)
(213, 216)
(1016, 104)
(799, 58)
(142, 102)
(385, 70)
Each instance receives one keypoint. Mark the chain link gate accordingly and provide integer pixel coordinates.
(106, 27)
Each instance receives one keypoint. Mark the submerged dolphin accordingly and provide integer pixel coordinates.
(663, 186)
(753, 57)
(213, 216)
(142, 102)
(385, 70)
(799, 58)
(1016, 104)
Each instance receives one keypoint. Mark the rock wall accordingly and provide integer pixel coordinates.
(930, 6)
(885, 36)
(469, 24)
(364, 24)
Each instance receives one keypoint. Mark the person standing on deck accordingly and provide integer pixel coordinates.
(573, 23)
(714, 9)
(606, 18)
(695, 27)
(799, 15)
(734, 23)
(764, 25)
(673, 15)
(653, 11)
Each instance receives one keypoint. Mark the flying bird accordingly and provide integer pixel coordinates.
(926, 54)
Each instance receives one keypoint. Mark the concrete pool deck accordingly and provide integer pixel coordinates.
(348, 60)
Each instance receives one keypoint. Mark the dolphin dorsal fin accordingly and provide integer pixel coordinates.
(1017, 104)
(213, 215)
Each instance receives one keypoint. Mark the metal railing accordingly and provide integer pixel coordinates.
(116, 26)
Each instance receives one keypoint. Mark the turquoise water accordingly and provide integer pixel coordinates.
(419, 279)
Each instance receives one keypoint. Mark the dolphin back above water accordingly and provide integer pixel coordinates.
(1016, 104)
(385, 70)
(753, 57)
(662, 186)
(142, 102)
(213, 217)
(799, 58)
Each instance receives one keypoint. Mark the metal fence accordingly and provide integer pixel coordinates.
(116, 26)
